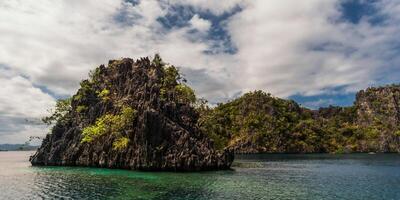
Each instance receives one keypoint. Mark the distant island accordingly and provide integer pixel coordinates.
(141, 115)
(17, 147)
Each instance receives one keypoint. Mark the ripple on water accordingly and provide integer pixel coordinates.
(254, 177)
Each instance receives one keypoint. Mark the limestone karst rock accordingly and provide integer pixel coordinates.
(131, 115)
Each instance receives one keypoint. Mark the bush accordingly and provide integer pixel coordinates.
(103, 125)
(397, 133)
(81, 109)
(185, 94)
(63, 107)
(94, 75)
(171, 77)
(120, 143)
(110, 124)
(104, 94)
(157, 61)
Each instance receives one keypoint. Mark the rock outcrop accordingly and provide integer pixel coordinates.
(380, 108)
(131, 115)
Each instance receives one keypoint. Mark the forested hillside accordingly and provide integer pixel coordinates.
(258, 122)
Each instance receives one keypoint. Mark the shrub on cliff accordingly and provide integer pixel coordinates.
(59, 113)
(111, 124)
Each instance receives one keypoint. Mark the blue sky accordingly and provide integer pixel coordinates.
(316, 52)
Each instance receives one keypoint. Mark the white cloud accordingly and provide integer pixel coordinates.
(23, 134)
(277, 39)
(19, 98)
(285, 47)
(200, 24)
(21, 105)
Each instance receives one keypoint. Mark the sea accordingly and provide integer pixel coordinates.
(261, 176)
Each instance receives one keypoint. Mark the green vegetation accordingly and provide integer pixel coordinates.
(81, 109)
(111, 124)
(185, 94)
(104, 94)
(120, 143)
(94, 75)
(59, 114)
(101, 127)
(171, 76)
(86, 90)
(256, 117)
(157, 61)
(259, 122)
(397, 133)
(173, 86)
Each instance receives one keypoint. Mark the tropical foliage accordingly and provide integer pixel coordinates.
(111, 124)
(173, 86)
(59, 114)
(259, 122)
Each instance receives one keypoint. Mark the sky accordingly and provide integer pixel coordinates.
(317, 52)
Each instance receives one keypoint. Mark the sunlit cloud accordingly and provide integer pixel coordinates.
(302, 48)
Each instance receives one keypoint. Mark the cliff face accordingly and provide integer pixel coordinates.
(379, 104)
(380, 108)
(131, 115)
(258, 122)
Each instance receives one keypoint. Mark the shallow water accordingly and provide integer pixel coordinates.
(313, 176)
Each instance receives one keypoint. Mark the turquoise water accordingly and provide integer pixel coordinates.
(314, 176)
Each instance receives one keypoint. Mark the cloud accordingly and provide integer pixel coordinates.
(200, 24)
(20, 98)
(21, 107)
(284, 47)
(56, 43)
(206, 85)
(20, 133)
(297, 47)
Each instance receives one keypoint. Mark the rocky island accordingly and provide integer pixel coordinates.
(131, 115)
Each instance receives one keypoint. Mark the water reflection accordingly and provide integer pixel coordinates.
(91, 183)
(356, 176)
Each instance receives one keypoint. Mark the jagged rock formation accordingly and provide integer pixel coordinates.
(258, 122)
(382, 103)
(131, 115)
(380, 108)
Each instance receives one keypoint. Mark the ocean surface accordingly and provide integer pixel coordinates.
(313, 176)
